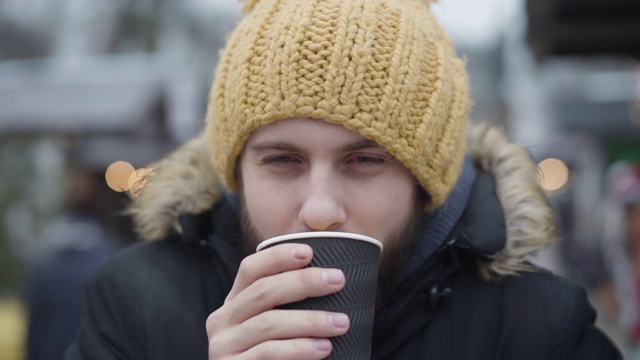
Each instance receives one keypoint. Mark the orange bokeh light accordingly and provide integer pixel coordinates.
(117, 175)
(555, 174)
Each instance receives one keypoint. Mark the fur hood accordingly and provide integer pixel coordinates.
(185, 182)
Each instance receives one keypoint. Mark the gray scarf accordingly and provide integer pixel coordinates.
(437, 226)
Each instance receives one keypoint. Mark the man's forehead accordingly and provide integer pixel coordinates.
(307, 132)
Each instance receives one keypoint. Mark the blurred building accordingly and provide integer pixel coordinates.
(125, 80)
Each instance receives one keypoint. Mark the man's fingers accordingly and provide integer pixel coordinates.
(294, 349)
(268, 262)
(247, 324)
(283, 324)
(284, 288)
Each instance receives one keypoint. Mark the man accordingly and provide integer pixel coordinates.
(341, 115)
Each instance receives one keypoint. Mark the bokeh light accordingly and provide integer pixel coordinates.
(554, 174)
(117, 175)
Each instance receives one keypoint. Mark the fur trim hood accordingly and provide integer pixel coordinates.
(185, 182)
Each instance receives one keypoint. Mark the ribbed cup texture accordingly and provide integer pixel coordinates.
(359, 260)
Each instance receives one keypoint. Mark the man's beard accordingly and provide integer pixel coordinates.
(397, 249)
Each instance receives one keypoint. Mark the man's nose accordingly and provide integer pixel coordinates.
(322, 209)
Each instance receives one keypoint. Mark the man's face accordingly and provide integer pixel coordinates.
(309, 175)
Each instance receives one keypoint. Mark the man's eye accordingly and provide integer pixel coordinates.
(280, 160)
(367, 160)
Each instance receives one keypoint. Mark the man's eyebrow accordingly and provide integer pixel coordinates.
(361, 145)
(273, 145)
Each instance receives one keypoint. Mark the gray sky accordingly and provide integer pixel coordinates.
(479, 22)
(475, 23)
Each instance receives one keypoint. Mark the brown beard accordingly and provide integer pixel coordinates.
(397, 248)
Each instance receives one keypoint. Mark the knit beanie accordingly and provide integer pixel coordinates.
(382, 68)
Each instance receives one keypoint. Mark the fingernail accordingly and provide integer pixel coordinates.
(323, 344)
(301, 252)
(339, 320)
(333, 277)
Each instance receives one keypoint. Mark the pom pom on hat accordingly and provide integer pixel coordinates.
(249, 5)
(382, 68)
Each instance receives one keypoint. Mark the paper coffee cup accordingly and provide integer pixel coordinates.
(358, 256)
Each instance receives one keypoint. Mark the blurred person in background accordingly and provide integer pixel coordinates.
(339, 115)
(619, 295)
(75, 244)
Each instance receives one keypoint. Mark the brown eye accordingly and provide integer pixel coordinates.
(280, 159)
(365, 160)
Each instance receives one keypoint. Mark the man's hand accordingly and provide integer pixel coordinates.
(248, 327)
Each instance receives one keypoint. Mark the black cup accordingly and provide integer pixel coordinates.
(358, 256)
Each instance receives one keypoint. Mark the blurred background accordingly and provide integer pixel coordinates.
(91, 92)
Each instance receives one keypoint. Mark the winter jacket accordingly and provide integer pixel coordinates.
(476, 298)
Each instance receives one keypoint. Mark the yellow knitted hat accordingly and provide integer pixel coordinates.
(382, 68)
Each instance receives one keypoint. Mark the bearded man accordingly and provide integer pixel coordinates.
(339, 115)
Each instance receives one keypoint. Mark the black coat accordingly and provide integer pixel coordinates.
(152, 301)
